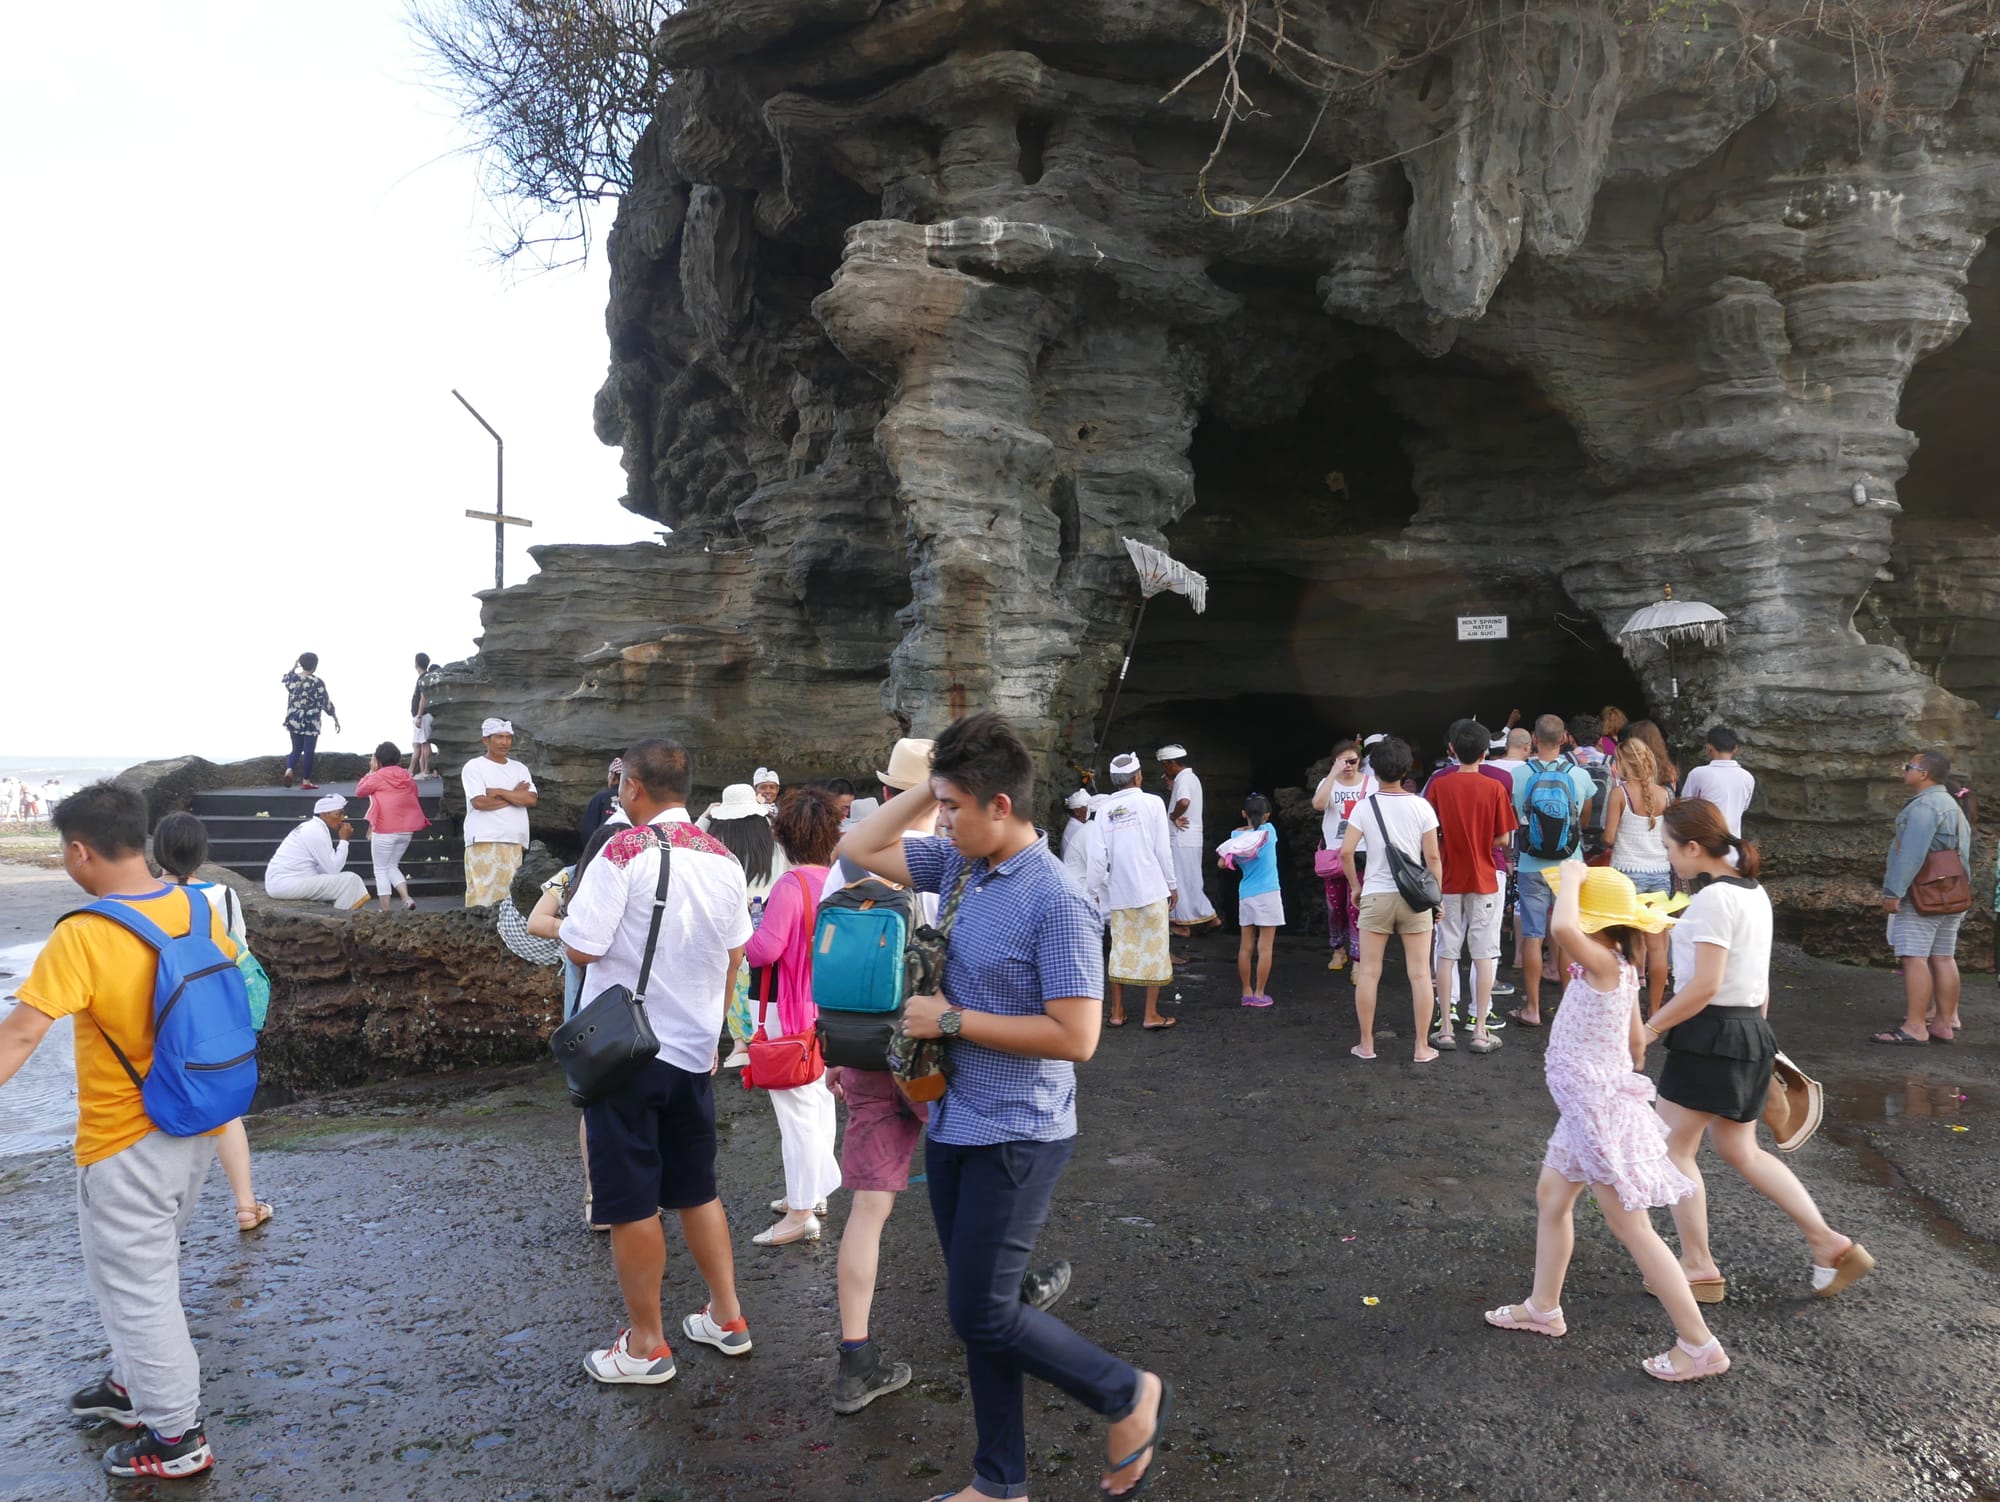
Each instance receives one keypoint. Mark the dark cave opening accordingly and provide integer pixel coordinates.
(1322, 623)
(1943, 595)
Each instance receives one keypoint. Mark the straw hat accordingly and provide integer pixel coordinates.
(1609, 900)
(739, 801)
(909, 764)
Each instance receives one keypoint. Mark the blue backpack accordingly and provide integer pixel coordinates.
(860, 938)
(204, 1048)
(1549, 825)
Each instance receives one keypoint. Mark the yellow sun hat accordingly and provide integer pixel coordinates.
(1609, 900)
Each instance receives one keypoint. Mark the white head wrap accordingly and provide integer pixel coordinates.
(1078, 799)
(332, 803)
(1124, 764)
(495, 726)
(762, 776)
(1175, 752)
(1377, 736)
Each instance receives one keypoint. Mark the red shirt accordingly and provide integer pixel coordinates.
(1473, 816)
(394, 806)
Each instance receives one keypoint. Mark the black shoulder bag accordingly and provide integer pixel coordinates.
(609, 1040)
(1414, 882)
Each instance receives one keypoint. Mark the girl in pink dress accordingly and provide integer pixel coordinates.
(1608, 1136)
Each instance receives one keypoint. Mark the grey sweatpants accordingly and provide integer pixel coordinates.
(131, 1209)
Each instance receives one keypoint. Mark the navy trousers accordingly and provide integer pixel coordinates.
(301, 759)
(990, 1204)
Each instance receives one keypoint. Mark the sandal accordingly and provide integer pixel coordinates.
(1515, 1013)
(1365, 1057)
(1487, 1044)
(1114, 1021)
(1897, 1038)
(255, 1216)
(1161, 1026)
(1439, 1040)
(1151, 1447)
(1705, 1290)
(1709, 1361)
(1525, 1316)
(1849, 1268)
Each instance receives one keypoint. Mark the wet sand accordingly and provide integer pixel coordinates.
(412, 1324)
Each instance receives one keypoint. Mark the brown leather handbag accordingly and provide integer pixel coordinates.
(1941, 887)
(1794, 1106)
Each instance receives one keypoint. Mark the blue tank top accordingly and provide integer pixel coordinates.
(1259, 871)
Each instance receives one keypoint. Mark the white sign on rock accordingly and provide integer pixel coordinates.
(1482, 628)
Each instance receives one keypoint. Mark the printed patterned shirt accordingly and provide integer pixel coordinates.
(1024, 935)
(305, 701)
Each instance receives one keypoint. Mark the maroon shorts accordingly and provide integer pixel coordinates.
(882, 1131)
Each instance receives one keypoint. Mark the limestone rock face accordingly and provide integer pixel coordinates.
(916, 311)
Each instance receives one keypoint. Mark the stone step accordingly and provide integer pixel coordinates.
(272, 829)
(294, 803)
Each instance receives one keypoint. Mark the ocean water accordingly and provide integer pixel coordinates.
(38, 1106)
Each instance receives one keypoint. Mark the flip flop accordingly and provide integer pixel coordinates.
(1114, 1021)
(1897, 1038)
(1937, 1037)
(1161, 1027)
(1160, 1422)
(1515, 1013)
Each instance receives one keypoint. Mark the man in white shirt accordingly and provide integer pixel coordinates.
(1723, 781)
(652, 1141)
(498, 794)
(1075, 838)
(1192, 908)
(1140, 866)
(311, 864)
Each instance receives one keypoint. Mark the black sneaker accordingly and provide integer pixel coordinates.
(1043, 1288)
(864, 1376)
(104, 1399)
(149, 1455)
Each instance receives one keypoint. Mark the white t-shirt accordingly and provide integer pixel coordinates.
(1738, 919)
(1340, 801)
(1726, 785)
(1407, 817)
(1188, 786)
(495, 826)
(708, 915)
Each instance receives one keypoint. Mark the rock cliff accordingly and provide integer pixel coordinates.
(918, 307)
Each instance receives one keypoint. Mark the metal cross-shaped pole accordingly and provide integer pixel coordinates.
(498, 515)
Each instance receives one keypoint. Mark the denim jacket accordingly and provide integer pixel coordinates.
(1930, 821)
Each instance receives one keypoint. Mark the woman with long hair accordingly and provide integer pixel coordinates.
(1610, 720)
(1668, 774)
(1636, 835)
(1720, 1050)
(807, 826)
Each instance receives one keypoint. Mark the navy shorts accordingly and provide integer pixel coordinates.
(652, 1145)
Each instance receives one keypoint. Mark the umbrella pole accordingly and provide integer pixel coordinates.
(1119, 688)
(1674, 682)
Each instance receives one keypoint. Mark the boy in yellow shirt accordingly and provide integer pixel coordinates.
(136, 1185)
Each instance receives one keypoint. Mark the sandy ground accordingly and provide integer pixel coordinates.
(412, 1323)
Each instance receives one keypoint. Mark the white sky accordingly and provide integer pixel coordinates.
(244, 266)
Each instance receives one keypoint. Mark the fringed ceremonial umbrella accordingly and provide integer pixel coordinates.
(1158, 574)
(1674, 624)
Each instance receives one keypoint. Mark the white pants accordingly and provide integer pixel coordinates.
(342, 889)
(386, 850)
(1191, 904)
(806, 1126)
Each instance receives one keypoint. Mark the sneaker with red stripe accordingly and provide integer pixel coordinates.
(732, 1339)
(165, 1459)
(619, 1363)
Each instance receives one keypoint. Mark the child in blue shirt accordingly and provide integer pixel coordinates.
(1260, 906)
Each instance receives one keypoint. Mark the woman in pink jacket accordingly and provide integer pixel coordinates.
(807, 825)
(395, 817)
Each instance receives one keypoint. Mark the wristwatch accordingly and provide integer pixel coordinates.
(948, 1022)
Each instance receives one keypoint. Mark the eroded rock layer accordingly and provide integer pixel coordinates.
(917, 311)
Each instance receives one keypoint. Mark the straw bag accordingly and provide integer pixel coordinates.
(1793, 1108)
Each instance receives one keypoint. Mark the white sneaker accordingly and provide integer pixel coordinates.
(616, 1363)
(779, 1207)
(732, 1339)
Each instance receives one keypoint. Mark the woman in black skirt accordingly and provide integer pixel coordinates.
(1720, 1049)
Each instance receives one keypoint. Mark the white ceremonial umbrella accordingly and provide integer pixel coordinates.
(1676, 623)
(1158, 574)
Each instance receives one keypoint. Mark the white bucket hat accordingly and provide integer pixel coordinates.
(739, 801)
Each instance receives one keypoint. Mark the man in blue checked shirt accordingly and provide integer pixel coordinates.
(1021, 1006)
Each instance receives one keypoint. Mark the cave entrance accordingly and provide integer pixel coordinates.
(1322, 621)
(1943, 597)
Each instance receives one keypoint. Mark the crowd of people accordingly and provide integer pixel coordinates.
(1633, 884)
(22, 801)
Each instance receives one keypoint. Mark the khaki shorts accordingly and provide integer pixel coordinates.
(1387, 913)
